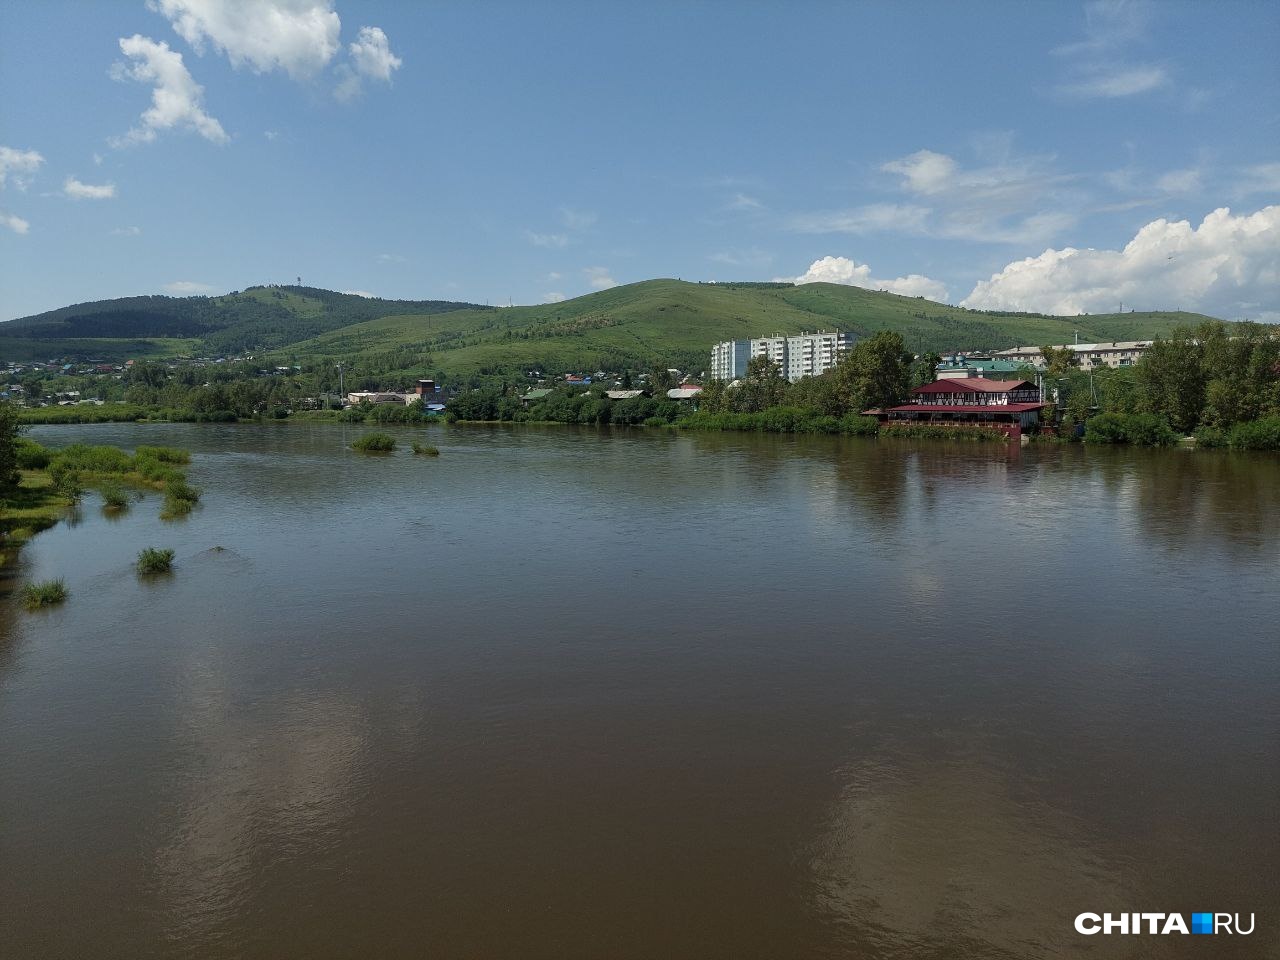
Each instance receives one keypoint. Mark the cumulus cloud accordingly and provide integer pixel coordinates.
(1229, 266)
(76, 190)
(371, 58)
(126, 232)
(299, 37)
(924, 171)
(371, 53)
(555, 296)
(851, 273)
(176, 101)
(18, 166)
(361, 293)
(187, 288)
(14, 222)
(743, 201)
(599, 279)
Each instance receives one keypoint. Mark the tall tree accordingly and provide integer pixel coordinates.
(1059, 360)
(1171, 380)
(761, 387)
(876, 372)
(8, 445)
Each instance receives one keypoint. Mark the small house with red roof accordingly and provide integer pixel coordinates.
(1011, 406)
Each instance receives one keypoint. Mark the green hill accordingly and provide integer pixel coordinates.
(259, 318)
(674, 323)
(667, 322)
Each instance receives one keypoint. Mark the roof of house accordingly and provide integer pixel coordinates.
(974, 385)
(624, 394)
(535, 394)
(683, 393)
(982, 363)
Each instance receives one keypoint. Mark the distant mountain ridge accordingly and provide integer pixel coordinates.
(635, 326)
(258, 318)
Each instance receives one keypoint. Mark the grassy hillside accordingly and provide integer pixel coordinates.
(674, 323)
(259, 318)
(665, 322)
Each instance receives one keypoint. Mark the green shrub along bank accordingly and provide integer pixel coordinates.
(425, 449)
(1140, 429)
(375, 443)
(1261, 434)
(781, 420)
(942, 431)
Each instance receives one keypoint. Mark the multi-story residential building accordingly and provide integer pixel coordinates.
(729, 359)
(1089, 356)
(805, 355)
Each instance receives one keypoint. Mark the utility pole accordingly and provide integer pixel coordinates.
(342, 390)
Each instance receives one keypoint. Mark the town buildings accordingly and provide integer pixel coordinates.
(804, 355)
(1089, 356)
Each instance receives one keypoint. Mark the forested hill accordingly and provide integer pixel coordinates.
(259, 318)
(636, 326)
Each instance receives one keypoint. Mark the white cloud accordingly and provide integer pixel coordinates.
(76, 190)
(271, 134)
(552, 240)
(851, 273)
(299, 37)
(176, 100)
(552, 277)
(14, 223)
(751, 257)
(1179, 181)
(18, 166)
(126, 232)
(1122, 82)
(97, 159)
(361, 293)
(578, 219)
(1096, 64)
(1014, 200)
(187, 288)
(742, 201)
(372, 54)
(390, 258)
(373, 59)
(1261, 178)
(924, 171)
(555, 296)
(904, 218)
(1229, 266)
(598, 278)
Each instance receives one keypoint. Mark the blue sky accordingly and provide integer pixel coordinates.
(1055, 156)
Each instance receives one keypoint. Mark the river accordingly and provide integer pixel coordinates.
(637, 694)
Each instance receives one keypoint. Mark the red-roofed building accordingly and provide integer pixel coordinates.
(1011, 406)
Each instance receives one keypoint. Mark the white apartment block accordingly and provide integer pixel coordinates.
(1089, 356)
(806, 355)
